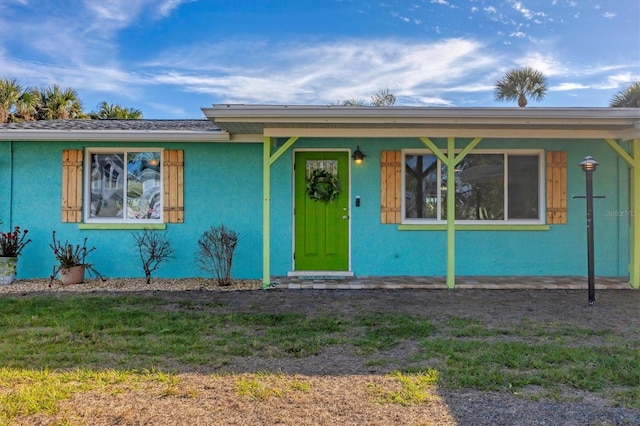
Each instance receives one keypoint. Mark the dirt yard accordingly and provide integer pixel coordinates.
(337, 382)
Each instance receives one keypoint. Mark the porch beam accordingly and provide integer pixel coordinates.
(624, 154)
(451, 160)
(282, 149)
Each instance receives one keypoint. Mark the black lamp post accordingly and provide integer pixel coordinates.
(589, 166)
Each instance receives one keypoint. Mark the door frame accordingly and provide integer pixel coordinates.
(293, 271)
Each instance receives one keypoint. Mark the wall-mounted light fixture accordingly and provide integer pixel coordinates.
(358, 156)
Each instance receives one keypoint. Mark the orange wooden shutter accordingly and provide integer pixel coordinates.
(173, 186)
(556, 187)
(391, 186)
(72, 185)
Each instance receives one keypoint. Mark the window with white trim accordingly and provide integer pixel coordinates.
(490, 186)
(123, 185)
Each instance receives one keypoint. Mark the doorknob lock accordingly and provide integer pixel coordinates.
(345, 217)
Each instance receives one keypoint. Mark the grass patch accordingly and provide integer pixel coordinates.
(406, 389)
(261, 386)
(54, 346)
(136, 332)
(386, 331)
(25, 392)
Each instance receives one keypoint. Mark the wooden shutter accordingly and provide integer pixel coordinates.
(173, 168)
(72, 185)
(556, 187)
(391, 186)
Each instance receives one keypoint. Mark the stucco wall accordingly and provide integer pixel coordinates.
(382, 249)
(223, 184)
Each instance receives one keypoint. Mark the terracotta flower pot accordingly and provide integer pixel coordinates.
(72, 275)
(8, 266)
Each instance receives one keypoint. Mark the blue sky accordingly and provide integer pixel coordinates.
(169, 58)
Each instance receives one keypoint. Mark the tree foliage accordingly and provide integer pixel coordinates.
(115, 111)
(520, 84)
(628, 97)
(381, 98)
(56, 103)
(51, 103)
(10, 91)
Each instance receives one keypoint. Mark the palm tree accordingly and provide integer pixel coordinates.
(10, 91)
(27, 105)
(520, 83)
(627, 98)
(115, 111)
(59, 104)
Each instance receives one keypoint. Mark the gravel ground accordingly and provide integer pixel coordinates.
(339, 381)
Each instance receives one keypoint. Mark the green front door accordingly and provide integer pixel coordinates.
(321, 227)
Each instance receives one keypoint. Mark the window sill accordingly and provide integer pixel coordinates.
(122, 226)
(474, 227)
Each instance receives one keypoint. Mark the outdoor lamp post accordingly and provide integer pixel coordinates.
(589, 166)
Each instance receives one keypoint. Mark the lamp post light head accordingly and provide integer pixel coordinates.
(589, 164)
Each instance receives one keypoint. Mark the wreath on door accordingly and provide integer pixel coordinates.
(322, 186)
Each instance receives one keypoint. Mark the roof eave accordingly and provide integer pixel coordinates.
(112, 136)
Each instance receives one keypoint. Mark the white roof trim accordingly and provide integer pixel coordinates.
(283, 120)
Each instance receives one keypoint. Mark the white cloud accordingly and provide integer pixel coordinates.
(527, 13)
(167, 6)
(563, 87)
(609, 15)
(546, 64)
(322, 73)
(616, 81)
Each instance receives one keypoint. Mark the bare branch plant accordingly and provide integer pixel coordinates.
(153, 248)
(217, 245)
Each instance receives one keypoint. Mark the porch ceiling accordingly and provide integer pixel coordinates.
(325, 121)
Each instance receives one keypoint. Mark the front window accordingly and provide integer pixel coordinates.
(489, 186)
(124, 186)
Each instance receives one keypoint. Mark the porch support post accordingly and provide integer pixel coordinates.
(634, 207)
(451, 160)
(451, 213)
(266, 212)
(633, 160)
(634, 267)
(267, 161)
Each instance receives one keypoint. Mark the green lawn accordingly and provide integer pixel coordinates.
(56, 346)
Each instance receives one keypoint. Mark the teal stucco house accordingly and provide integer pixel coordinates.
(329, 190)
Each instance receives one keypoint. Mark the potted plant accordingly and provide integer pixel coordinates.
(11, 244)
(71, 261)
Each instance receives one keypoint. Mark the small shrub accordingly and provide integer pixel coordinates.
(153, 248)
(69, 255)
(217, 245)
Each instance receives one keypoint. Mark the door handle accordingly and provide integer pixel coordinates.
(345, 217)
